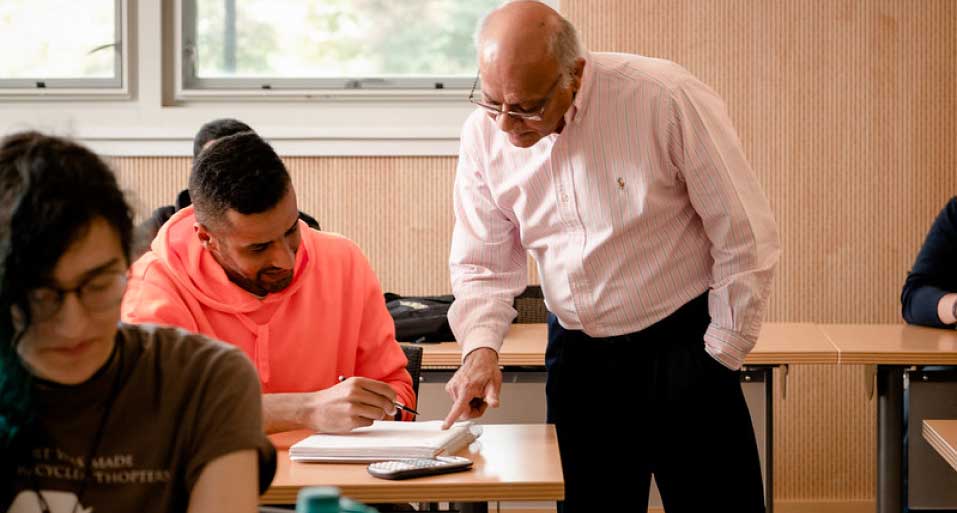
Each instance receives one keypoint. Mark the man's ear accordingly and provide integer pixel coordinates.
(205, 238)
(578, 71)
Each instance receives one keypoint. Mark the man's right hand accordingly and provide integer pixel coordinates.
(474, 387)
(353, 403)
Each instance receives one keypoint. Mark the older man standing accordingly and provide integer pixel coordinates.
(624, 178)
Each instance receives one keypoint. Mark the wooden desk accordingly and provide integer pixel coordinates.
(891, 348)
(523, 346)
(784, 343)
(779, 343)
(512, 463)
(942, 436)
(892, 344)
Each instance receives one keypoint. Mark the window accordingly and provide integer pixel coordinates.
(64, 44)
(329, 44)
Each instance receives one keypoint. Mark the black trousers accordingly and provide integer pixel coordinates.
(651, 402)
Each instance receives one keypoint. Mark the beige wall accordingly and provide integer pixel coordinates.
(398, 209)
(847, 110)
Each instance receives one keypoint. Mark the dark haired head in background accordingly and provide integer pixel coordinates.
(246, 211)
(54, 193)
(207, 134)
(217, 129)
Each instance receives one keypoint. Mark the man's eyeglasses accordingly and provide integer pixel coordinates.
(494, 110)
(96, 294)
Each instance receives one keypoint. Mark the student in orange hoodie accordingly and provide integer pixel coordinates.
(305, 306)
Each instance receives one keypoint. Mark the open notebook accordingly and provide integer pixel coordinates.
(386, 440)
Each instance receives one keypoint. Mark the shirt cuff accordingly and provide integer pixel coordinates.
(481, 337)
(726, 346)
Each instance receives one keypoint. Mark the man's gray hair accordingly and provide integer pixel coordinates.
(565, 45)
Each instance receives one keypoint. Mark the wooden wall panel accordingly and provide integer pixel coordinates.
(848, 112)
(399, 210)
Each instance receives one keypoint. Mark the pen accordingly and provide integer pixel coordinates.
(394, 403)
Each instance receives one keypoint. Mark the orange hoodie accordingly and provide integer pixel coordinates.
(331, 321)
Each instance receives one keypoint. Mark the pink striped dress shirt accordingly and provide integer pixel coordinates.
(642, 203)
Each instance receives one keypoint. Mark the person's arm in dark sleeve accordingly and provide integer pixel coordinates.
(146, 231)
(927, 297)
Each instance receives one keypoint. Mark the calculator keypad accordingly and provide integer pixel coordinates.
(404, 469)
(391, 466)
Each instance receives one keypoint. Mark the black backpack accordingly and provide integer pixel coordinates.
(420, 319)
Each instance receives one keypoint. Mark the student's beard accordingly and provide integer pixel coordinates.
(256, 286)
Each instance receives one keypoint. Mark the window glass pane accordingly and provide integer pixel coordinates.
(58, 39)
(336, 38)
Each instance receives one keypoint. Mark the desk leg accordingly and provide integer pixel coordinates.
(769, 438)
(765, 373)
(890, 422)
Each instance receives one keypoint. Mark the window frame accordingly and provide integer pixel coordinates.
(113, 88)
(190, 87)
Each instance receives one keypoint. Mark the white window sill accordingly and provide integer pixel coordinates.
(367, 147)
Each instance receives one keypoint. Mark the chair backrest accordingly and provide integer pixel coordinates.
(414, 355)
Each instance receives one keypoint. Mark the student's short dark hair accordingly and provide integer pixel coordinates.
(217, 129)
(51, 190)
(240, 172)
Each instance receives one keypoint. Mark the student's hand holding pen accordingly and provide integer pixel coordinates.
(351, 403)
(395, 403)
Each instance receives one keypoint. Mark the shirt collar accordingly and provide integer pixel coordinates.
(577, 110)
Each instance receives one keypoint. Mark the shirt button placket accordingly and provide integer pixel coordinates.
(576, 279)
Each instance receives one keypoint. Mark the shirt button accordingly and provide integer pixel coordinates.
(565, 198)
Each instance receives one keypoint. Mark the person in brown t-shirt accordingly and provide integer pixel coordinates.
(96, 415)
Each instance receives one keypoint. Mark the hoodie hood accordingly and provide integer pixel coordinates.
(193, 267)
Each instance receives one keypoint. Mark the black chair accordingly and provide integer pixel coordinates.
(414, 355)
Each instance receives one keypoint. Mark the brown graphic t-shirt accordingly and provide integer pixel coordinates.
(182, 401)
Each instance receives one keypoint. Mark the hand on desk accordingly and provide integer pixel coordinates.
(474, 387)
(353, 403)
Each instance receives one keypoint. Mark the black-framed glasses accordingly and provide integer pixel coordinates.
(100, 292)
(496, 110)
